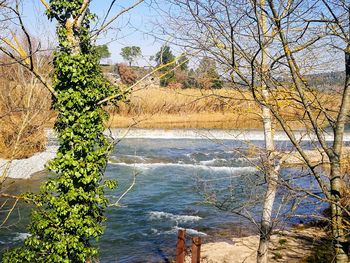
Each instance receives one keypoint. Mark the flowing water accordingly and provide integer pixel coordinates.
(173, 177)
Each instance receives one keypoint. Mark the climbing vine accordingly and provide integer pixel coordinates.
(71, 205)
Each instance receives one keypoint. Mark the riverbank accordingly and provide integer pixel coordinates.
(299, 244)
(25, 168)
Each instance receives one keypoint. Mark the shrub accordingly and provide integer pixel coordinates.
(175, 85)
(127, 74)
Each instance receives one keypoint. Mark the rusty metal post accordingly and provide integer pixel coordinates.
(181, 246)
(196, 249)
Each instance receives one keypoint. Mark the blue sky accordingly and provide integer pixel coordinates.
(130, 29)
(133, 28)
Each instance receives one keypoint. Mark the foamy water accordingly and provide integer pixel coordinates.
(156, 215)
(21, 236)
(241, 135)
(189, 231)
(222, 169)
(24, 168)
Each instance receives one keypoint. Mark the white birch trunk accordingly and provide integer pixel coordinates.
(272, 171)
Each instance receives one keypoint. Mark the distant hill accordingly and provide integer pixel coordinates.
(326, 79)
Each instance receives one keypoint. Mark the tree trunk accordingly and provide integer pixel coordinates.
(341, 244)
(271, 171)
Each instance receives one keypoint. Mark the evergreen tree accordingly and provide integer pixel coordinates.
(163, 57)
(207, 74)
(183, 62)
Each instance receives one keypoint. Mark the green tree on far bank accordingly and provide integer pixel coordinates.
(207, 74)
(130, 54)
(163, 57)
(103, 51)
(183, 62)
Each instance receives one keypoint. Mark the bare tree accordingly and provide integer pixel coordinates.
(237, 35)
(314, 110)
(269, 47)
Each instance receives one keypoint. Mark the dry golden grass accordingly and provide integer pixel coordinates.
(175, 101)
(189, 108)
(214, 120)
(194, 108)
(24, 110)
(16, 145)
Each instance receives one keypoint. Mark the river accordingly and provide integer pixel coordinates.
(174, 177)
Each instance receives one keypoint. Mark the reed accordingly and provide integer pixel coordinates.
(24, 112)
(158, 107)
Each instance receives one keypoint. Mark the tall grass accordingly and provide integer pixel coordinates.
(195, 108)
(24, 111)
(181, 101)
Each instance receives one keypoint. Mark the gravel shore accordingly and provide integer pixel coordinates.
(24, 168)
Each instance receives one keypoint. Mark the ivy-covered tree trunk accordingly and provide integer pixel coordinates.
(71, 205)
